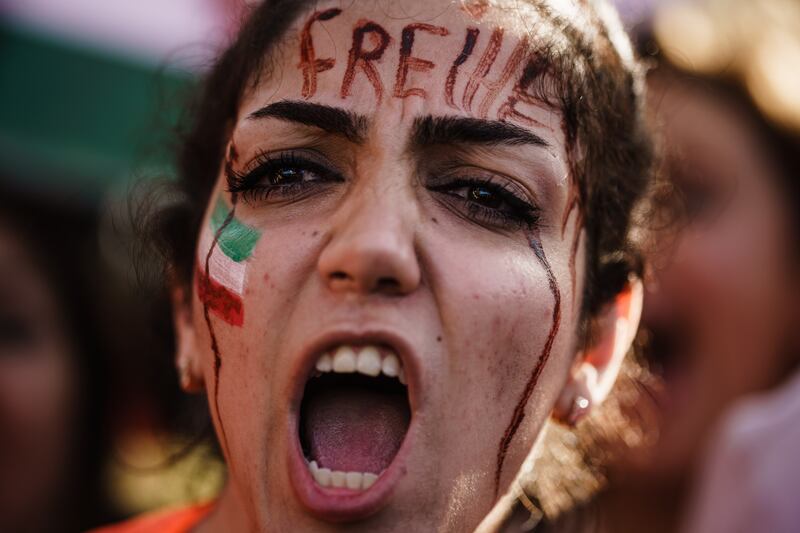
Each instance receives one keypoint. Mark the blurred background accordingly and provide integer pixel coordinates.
(91, 93)
(93, 427)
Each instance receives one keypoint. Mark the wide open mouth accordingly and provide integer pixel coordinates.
(354, 415)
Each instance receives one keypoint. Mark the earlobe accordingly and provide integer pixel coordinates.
(186, 355)
(596, 368)
(576, 398)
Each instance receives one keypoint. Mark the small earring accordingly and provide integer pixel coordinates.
(579, 409)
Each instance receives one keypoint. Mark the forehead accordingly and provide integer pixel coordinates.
(404, 59)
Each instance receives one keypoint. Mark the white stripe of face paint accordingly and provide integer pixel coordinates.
(222, 268)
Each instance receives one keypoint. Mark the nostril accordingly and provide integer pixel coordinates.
(387, 284)
(339, 275)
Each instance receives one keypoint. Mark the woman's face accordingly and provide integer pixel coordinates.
(723, 305)
(38, 389)
(382, 289)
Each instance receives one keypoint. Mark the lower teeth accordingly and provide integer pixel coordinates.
(334, 478)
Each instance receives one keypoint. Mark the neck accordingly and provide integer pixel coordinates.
(229, 515)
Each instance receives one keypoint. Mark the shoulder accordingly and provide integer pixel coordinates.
(169, 521)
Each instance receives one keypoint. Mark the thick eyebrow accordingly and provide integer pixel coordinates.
(327, 118)
(466, 130)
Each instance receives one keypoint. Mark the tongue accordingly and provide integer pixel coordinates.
(355, 430)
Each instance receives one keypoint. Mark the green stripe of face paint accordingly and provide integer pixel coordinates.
(237, 240)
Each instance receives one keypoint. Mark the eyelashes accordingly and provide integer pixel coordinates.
(488, 201)
(291, 176)
(284, 176)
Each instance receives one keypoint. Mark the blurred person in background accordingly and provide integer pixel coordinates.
(723, 305)
(53, 396)
(119, 71)
(721, 320)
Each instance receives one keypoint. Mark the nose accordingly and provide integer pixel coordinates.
(371, 248)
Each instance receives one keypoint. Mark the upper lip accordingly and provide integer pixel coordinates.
(316, 346)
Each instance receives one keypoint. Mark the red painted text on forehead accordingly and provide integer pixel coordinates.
(475, 67)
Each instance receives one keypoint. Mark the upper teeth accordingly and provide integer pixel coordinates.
(368, 360)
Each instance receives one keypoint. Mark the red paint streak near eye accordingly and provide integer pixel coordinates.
(519, 409)
(408, 62)
(573, 203)
(480, 72)
(212, 295)
(231, 158)
(466, 51)
(308, 62)
(359, 58)
(576, 241)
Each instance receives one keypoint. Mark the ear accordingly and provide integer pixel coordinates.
(597, 366)
(186, 354)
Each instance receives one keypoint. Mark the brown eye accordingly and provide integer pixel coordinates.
(290, 175)
(485, 197)
(488, 203)
(283, 176)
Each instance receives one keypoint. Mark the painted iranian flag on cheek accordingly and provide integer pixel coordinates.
(221, 275)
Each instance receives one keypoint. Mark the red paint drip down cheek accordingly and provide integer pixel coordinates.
(519, 410)
(210, 294)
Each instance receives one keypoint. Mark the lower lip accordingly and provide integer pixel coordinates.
(337, 504)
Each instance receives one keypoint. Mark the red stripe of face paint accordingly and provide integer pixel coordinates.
(225, 304)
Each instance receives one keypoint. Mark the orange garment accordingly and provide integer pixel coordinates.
(170, 521)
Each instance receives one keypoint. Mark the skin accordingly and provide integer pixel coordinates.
(381, 250)
(37, 393)
(726, 288)
(731, 275)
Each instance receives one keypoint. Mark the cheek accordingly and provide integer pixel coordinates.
(280, 264)
(727, 283)
(243, 302)
(497, 315)
(730, 270)
(37, 394)
(503, 316)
